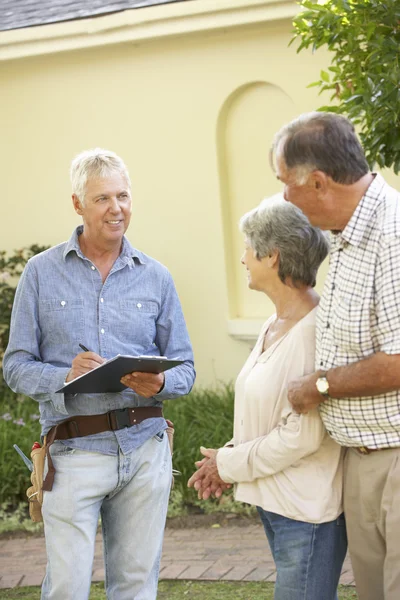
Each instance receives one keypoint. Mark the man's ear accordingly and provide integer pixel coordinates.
(77, 204)
(319, 180)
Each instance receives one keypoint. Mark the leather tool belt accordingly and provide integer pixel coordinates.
(81, 426)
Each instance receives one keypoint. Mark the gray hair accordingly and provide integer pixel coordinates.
(92, 164)
(322, 141)
(277, 225)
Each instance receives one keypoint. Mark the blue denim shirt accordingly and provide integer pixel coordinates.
(61, 301)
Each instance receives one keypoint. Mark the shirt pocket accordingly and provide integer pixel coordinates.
(62, 321)
(351, 324)
(136, 323)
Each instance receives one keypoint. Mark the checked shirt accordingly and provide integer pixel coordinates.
(359, 315)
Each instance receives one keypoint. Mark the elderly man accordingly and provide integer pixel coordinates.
(322, 166)
(97, 290)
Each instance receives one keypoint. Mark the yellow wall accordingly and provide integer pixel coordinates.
(193, 117)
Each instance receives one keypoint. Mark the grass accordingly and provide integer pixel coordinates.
(179, 590)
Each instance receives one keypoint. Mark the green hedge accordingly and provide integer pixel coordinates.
(19, 424)
(204, 417)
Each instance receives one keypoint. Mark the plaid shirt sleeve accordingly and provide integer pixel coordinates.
(387, 298)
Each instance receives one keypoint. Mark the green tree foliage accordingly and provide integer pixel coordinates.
(364, 76)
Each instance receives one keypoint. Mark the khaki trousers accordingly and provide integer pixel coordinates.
(372, 510)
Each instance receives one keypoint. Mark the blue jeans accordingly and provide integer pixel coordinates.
(308, 557)
(131, 493)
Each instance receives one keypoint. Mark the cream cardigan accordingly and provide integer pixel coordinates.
(284, 462)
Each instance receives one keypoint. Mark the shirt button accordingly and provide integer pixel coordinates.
(101, 299)
(139, 305)
(63, 303)
(102, 330)
(321, 364)
(93, 268)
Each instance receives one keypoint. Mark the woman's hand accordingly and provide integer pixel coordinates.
(206, 480)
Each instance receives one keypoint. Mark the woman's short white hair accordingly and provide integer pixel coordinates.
(279, 225)
(92, 164)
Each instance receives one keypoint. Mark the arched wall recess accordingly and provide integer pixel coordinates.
(247, 122)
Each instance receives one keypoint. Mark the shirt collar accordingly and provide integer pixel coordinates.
(354, 231)
(128, 253)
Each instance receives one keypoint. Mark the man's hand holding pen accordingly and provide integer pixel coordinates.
(143, 384)
(83, 363)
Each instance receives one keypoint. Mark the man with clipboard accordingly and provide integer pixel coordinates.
(108, 454)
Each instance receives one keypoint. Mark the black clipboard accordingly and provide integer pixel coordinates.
(106, 377)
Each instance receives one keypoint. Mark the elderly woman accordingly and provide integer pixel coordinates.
(282, 462)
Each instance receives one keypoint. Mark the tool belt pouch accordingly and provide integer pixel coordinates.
(35, 492)
(170, 433)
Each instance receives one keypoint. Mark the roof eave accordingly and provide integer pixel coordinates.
(141, 24)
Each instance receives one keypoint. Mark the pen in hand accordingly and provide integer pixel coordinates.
(87, 350)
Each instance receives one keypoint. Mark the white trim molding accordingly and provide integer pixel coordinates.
(245, 330)
(141, 24)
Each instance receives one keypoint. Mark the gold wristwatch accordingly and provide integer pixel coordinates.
(322, 385)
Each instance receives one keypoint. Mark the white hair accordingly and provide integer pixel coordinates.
(92, 164)
(279, 225)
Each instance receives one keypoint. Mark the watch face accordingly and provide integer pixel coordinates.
(322, 385)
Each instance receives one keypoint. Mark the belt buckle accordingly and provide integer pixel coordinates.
(363, 450)
(121, 418)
